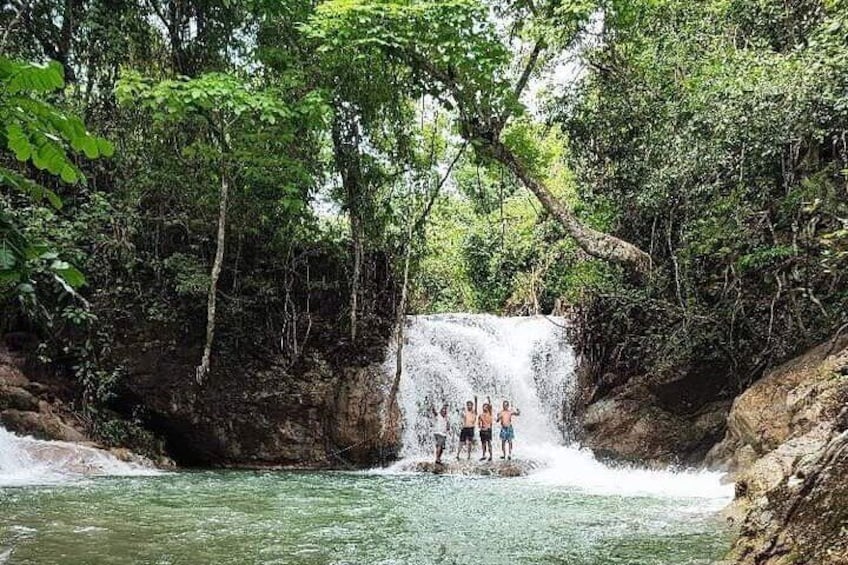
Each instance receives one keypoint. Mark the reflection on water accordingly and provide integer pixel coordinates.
(347, 518)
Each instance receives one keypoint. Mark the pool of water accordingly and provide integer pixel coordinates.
(349, 518)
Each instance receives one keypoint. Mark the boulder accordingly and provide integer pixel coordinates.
(631, 425)
(514, 468)
(39, 425)
(787, 448)
(788, 401)
(13, 397)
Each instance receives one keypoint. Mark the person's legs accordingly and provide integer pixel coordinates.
(510, 450)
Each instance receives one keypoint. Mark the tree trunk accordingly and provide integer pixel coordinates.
(356, 236)
(203, 369)
(347, 158)
(595, 243)
(485, 132)
(399, 324)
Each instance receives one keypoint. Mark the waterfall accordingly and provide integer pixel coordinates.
(25, 461)
(453, 357)
(450, 358)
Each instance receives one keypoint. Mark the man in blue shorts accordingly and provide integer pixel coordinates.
(507, 433)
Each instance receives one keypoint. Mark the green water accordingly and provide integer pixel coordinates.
(346, 518)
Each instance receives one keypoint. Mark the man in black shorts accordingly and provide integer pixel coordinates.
(469, 421)
(486, 420)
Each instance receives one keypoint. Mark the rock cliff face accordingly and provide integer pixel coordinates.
(31, 408)
(784, 441)
(787, 448)
(256, 411)
(328, 410)
(653, 422)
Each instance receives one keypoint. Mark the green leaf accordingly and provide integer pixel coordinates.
(30, 188)
(18, 142)
(7, 258)
(50, 157)
(105, 147)
(70, 274)
(89, 147)
(69, 174)
(22, 77)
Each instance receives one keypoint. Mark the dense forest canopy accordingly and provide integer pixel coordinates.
(672, 172)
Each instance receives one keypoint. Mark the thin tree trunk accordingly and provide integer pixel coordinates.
(356, 236)
(347, 158)
(399, 324)
(203, 369)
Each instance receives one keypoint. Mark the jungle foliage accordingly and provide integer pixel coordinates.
(717, 131)
(275, 174)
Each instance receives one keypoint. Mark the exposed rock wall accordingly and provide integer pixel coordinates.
(787, 447)
(651, 422)
(257, 411)
(29, 408)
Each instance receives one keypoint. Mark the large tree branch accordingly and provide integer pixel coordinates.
(595, 243)
(484, 132)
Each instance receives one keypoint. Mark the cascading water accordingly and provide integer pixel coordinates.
(26, 461)
(451, 358)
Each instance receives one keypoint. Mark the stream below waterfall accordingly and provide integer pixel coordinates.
(570, 509)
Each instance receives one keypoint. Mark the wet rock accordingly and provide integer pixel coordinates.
(39, 425)
(11, 375)
(500, 468)
(789, 453)
(127, 456)
(12, 397)
(631, 426)
(653, 420)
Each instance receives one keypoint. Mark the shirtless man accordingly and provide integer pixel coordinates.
(485, 422)
(469, 421)
(507, 434)
(440, 430)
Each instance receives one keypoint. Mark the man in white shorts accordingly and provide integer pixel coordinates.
(440, 431)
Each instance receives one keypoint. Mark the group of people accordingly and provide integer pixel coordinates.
(471, 420)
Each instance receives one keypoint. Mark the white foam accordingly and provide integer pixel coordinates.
(575, 467)
(29, 461)
(450, 358)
